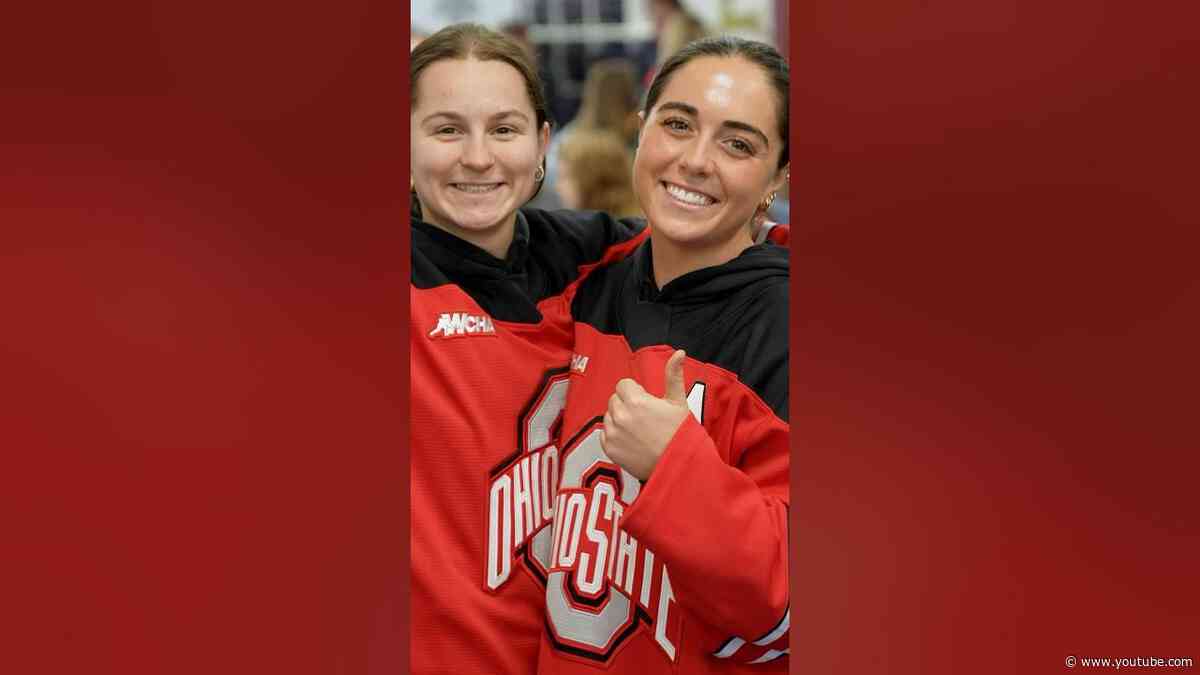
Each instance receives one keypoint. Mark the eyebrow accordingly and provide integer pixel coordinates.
(498, 116)
(732, 124)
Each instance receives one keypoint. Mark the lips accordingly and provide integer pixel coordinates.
(687, 196)
(476, 188)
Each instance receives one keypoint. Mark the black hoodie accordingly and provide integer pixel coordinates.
(687, 572)
(733, 315)
(548, 252)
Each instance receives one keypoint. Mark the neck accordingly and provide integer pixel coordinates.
(494, 240)
(674, 259)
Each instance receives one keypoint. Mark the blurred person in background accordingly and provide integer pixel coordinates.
(519, 32)
(609, 103)
(596, 173)
(675, 26)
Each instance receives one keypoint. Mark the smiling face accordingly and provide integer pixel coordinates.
(475, 148)
(708, 155)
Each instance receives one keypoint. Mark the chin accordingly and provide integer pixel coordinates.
(481, 218)
(680, 228)
(478, 223)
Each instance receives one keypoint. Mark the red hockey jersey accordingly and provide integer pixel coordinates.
(686, 573)
(775, 233)
(490, 346)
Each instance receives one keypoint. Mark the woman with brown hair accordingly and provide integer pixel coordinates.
(490, 349)
(610, 99)
(675, 27)
(670, 545)
(595, 173)
(609, 103)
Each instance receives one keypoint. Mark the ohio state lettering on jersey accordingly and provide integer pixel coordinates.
(675, 575)
(490, 351)
(521, 490)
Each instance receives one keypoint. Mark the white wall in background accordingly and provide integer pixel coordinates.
(430, 15)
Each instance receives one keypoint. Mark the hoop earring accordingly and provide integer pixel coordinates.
(766, 203)
(539, 174)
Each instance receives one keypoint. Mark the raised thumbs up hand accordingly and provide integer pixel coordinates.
(638, 425)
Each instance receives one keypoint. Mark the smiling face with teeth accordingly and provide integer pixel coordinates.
(708, 155)
(475, 148)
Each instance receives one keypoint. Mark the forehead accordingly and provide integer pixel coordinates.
(726, 88)
(471, 86)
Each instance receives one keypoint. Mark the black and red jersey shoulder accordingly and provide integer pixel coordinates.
(734, 316)
(550, 250)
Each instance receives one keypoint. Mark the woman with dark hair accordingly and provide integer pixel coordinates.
(669, 551)
(489, 353)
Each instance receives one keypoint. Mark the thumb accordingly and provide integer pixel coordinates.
(674, 375)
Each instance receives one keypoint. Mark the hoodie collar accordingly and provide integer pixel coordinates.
(461, 252)
(752, 264)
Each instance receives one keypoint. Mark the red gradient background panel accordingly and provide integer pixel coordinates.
(202, 275)
(995, 335)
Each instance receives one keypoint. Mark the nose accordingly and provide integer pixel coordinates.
(694, 159)
(476, 154)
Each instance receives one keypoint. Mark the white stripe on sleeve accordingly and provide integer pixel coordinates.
(771, 655)
(731, 646)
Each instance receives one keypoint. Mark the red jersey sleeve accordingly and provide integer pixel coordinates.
(716, 510)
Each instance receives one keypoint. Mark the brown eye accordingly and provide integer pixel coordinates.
(741, 146)
(676, 124)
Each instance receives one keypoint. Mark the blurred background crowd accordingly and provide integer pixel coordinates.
(596, 58)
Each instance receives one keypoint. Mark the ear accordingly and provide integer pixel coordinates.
(543, 140)
(780, 181)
